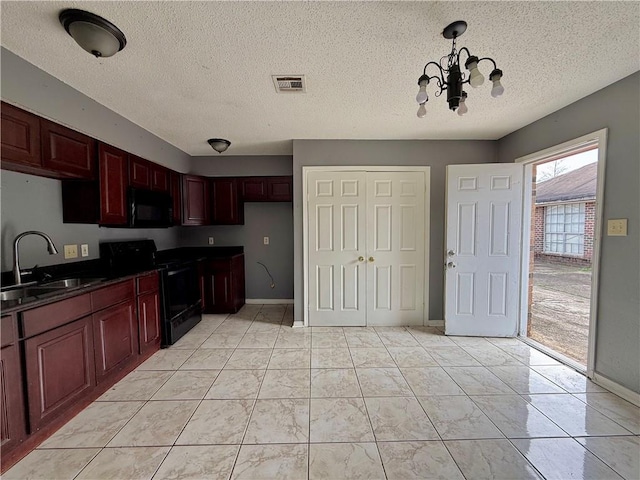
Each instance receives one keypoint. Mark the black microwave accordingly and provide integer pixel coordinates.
(149, 209)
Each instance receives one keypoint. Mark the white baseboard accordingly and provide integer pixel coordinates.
(298, 324)
(269, 301)
(613, 387)
(435, 323)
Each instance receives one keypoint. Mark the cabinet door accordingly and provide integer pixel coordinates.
(195, 200)
(176, 196)
(159, 178)
(66, 151)
(139, 172)
(149, 320)
(254, 189)
(280, 189)
(113, 185)
(115, 338)
(20, 136)
(13, 423)
(225, 206)
(60, 370)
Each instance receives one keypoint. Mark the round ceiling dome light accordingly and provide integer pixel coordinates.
(98, 36)
(219, 144)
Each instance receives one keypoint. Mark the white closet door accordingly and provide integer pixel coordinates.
(337, 241)
(395, 248)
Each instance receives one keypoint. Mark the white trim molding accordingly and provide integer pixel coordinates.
(597, 139)
(613, 387)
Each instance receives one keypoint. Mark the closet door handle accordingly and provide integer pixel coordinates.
(361, 259)
(371, 259)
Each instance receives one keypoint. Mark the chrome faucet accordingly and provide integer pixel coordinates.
(51, 248)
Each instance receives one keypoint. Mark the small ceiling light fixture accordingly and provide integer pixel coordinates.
(94, 34)
(449, 77)
(219, 144)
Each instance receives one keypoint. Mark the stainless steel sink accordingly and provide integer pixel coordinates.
(32, 291)
(71, 282)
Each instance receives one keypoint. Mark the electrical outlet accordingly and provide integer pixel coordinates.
(84, 250)
(70, 251)
(617, 227)
(265, 240)
(210, 240)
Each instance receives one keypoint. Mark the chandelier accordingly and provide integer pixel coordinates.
(449, 77)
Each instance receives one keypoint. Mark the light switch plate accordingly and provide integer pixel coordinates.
(210, 240)
(84, 250)
(70, 251)
(617, 227)
(265, 240)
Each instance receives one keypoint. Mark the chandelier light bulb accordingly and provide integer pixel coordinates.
(422, 111)
(462, 108)
(475, 77)
(497, 89)
(422, 96)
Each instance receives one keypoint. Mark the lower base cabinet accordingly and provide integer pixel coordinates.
(13, 428)
(223, 284)
(149, 321)
(59, 370)
(115, 338)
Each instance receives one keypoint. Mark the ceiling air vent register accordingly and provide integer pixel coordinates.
(289, 83)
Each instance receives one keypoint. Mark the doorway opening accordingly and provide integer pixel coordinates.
(562, 199)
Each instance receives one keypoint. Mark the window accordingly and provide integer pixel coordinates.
(564, 229)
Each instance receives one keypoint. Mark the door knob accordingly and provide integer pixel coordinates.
(361, 259)
(451, 253)
(371, 259)
(450, 265)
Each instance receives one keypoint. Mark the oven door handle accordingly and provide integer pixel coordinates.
(175, 272)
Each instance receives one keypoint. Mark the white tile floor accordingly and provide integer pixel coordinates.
(248, 397)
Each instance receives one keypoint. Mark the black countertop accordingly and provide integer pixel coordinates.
(96, 269)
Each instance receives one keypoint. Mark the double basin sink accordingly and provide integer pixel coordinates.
(16, 292)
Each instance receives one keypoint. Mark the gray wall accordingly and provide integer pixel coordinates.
(35, 203)
(32, 89)
(273, 220)
(434, 153)
(616, 108)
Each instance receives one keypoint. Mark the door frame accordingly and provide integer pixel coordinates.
(598, 138)
(366, 168)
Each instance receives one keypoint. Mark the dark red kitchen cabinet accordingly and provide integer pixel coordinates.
(267, 189)
(113, 185)
(226, 208)
(20, 138)
(115, 338)
(279, 189)
(148, 312)
(69, 153)
(13, 422)
(60, 370)
(139, 172)
(195, 200)
(176, 196)
(224, 289)
(159, 178)
(254, 189)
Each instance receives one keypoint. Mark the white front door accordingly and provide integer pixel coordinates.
(482, 249)
(395, 248)
(366, 247)
(337, 248)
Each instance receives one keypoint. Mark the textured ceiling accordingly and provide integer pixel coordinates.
(195, 70)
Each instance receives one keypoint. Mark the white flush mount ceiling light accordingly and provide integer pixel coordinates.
(98, 36)
(449, 77)
(219, 144)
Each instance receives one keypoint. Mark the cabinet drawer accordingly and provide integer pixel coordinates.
(148, 283)
(117, 293)
(41, 319)
(8, 330)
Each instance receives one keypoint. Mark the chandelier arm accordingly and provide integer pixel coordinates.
(463, 49)
(439, 79)
(491, 60)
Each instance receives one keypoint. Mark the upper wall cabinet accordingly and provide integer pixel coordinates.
(226, 208)
(176, 196)
(159, 178)
(113, 185)
(34, 145)
(267, 189)
(195, 200)
(20, 137)
(66, 151)
(139, 172)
